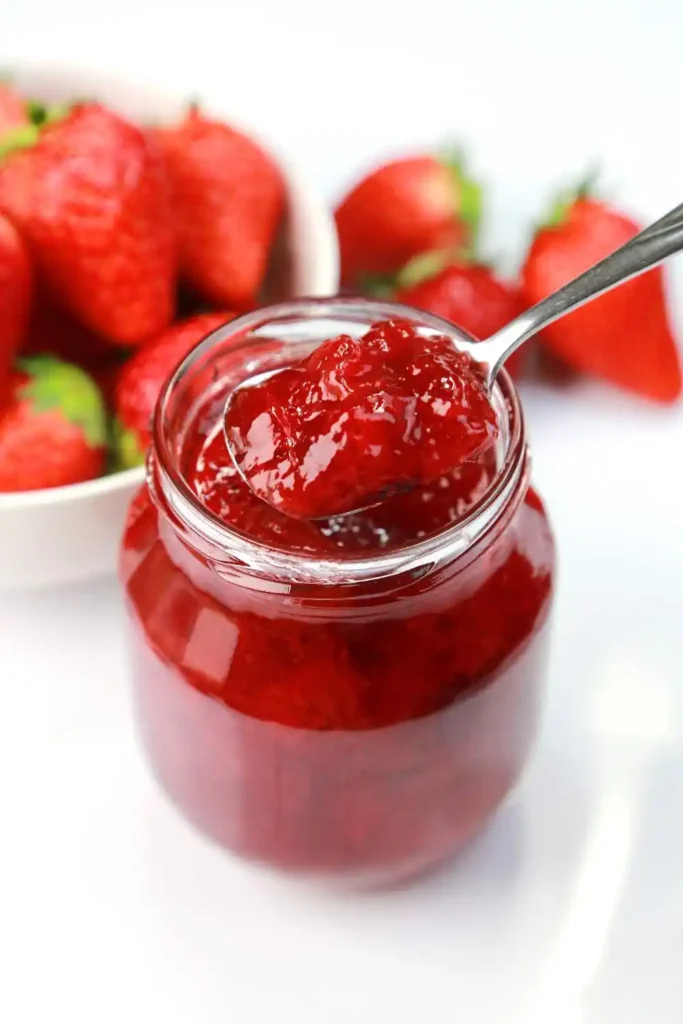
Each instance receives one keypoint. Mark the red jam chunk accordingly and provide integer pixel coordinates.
(359, 420)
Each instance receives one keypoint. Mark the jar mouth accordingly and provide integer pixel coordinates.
(308, 322)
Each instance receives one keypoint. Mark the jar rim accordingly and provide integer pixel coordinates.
(262, 558)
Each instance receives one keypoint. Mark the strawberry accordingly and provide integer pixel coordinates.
(469, 295)
(405, 208)
(15, 296)
(90, 195)
(13, 112)
(624, 336)
(53, 431)
(142, 378)
(229, 199)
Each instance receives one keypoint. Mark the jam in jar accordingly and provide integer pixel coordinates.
(348, 697)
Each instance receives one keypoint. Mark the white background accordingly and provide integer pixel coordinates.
(570, 908)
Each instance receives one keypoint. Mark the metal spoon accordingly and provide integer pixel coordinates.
(651, 246)
(648, 248)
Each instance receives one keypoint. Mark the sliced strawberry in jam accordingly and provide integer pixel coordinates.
(361, 420)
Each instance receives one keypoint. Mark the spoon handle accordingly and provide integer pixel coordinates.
(645, 250)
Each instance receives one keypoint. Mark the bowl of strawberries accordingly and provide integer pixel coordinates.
(132, 224)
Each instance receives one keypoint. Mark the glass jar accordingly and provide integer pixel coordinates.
(358, 718)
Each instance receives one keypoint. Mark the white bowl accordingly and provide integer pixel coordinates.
(70, 534)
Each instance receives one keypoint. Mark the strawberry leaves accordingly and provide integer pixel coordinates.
(53, 384)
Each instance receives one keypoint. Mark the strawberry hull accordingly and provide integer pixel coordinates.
(53, 429)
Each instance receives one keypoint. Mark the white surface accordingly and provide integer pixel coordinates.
(70, 534)
(570, 909)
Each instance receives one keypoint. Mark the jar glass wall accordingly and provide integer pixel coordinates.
(354, 716)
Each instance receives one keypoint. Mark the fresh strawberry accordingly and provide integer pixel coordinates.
(405, 208)
(53, 431)
(624, 336)
(469, 295)
(15, 296)
(142, 378)
(229, 199)
(90, 194)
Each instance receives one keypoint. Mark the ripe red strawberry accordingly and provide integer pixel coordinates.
(405, 208)
(142, 378)
(13, 112)
(229, 198)
(624, 336)
(91, 197)
(15, 297)
(469, 295)
(53, 431)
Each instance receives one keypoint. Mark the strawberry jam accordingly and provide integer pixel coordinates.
(349, 697)
(360, 419)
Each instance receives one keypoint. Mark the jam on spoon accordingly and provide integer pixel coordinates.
(362, 420)
(358, 421)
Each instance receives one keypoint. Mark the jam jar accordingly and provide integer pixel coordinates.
(351, 699)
